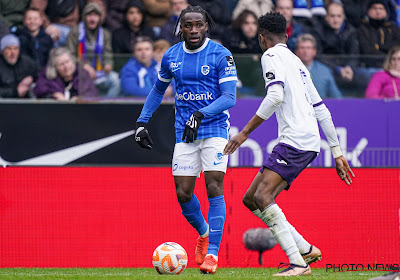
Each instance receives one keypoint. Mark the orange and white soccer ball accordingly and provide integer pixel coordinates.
(170, 258)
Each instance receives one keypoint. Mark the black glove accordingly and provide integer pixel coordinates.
(142, 136)
(192, 126)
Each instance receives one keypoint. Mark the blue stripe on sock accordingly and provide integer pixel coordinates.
(192, 212)
(216, 219)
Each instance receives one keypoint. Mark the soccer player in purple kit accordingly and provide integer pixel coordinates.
(205, 76)
(298, 106)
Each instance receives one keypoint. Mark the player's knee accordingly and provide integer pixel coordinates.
(183, 196)
(214, 189)
(247, 200)
(262, 199)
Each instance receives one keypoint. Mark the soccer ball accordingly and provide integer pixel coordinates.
(170, 258)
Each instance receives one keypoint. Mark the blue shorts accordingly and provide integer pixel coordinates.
(288, 161)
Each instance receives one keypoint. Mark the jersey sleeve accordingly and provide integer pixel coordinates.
(165, 75)
(226, 67)
(273, 70)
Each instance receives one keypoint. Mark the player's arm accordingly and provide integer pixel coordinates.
(151, 104)
(272, 100)
(324, 118)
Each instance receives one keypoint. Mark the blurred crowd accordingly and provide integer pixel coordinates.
(72, 49)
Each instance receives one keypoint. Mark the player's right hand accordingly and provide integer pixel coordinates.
(142, 136)
(234, 143)
(343, 170)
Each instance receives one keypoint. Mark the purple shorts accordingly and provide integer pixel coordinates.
(288, 161)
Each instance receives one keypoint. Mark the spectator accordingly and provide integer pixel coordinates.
(243, 37)
(140, 73)
(160, 47)
(91, 43)
(168, 31)
(321, 75)
(158, 12)
(258, 7)
(116, 11)
(293, 29)
(386, 83)
(60, 16)
(35, 43)
(17, 72)
(220, 14)
(377, 34)
(337, 37)
(133, 26)
(12, 13)
(63, 79)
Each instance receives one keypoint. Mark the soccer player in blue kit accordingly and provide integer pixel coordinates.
(292, 96)
(205, 76)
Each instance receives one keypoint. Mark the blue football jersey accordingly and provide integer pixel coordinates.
(198, 75)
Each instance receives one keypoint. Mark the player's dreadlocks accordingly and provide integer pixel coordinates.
(194, 9)
(272, 22)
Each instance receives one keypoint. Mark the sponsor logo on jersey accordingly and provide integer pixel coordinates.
(174, 66)
(230, 70)
(205, 69)
(270, 75)
(229, 60)
(186, 96)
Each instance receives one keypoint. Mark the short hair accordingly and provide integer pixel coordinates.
(161, 44)
(194, 9)
(388, 58)
(141, 39)
(32, 9)
(51, 69)
(273, 23)
(307, 37)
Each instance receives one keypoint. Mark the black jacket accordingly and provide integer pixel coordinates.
(12, 75)
(343, 46)
(124, 39)
(38, 47)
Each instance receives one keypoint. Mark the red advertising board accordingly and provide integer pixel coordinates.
(117, 216)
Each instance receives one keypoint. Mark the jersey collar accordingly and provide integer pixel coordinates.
(282, 45)
(198, 49)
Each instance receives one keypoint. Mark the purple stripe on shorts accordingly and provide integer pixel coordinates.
(319, 103)
(273, 83)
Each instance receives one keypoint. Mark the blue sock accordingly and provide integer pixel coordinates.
(192, 212)
(216, 219)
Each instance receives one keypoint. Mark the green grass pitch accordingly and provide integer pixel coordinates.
(147, 273)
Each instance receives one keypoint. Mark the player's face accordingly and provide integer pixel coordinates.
(193, 28)
(306, 52)
(249, 26)
(377, 11)
(335, 16)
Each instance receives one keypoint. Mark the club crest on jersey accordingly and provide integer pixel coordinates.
(229, 60)
(270, 75)
(205, 69)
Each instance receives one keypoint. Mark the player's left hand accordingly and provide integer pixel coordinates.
(234, 143)
(192, 126)
(142, 136)
(343, 170)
